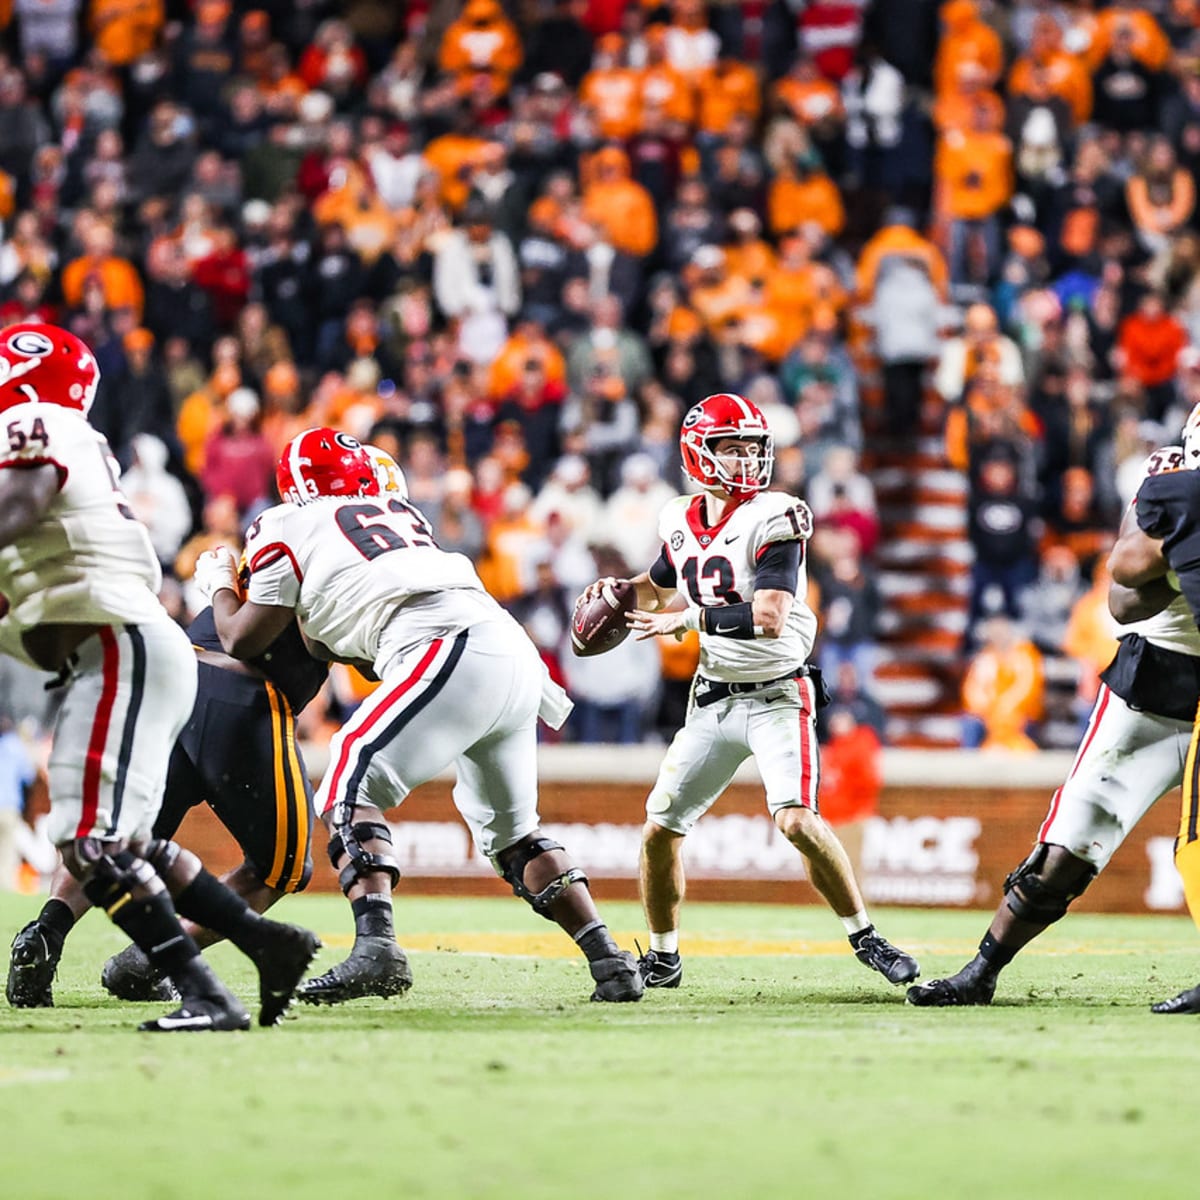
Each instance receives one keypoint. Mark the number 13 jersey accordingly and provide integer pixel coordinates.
(89, 560)
(347, 567)
(716, 565)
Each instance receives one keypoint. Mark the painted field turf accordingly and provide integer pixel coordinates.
(781, 1068)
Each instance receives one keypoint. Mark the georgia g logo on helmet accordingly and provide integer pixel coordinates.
(324, 462)
(43, 364)
(738, 473)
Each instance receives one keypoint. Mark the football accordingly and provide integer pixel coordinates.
(598, 625)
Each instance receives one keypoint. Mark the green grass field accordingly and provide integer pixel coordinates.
(781, 1068)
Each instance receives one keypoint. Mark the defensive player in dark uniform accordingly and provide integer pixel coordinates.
(238, 754)
(1133, 753)
(1166, 547)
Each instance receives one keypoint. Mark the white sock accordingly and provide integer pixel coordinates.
(665, 943)
(856, 923)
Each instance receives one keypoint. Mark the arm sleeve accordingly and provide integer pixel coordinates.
(778, 567)
(662, 573)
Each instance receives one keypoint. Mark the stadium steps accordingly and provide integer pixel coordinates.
(923, 566)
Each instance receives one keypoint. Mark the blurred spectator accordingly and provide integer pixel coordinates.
(157, 498)
(619, 205)
(615, 692)
(630, 517)
(1091, 636)
(1003, 531)
(1003, 690)
(238, 461)
(851, 779)
(1076, 521)
(1148, 344)
(850, 607)
(981, 342)
(117, 276)
(1048, 601)
(1161, 197)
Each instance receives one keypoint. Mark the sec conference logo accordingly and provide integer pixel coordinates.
(677, 539)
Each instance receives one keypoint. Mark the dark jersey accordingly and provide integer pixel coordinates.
(285, 662)
(1168, 507)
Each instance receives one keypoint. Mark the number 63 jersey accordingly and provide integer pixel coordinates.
(715, 565)
(89, 560)
(349, 566)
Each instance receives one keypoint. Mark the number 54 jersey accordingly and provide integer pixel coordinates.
(348, 567)
(88, 560)
(716, 565)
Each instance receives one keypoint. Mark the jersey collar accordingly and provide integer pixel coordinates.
(702, 532)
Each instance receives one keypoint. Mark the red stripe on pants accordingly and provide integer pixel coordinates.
(359, 734)
(807, 699)
(94, 759)
(1101, 705)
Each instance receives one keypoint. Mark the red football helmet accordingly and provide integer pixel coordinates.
(42, 364)
(721, 416)
(324, 462)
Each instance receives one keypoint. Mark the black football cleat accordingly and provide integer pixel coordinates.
(1185, 1002)
(129, 976)
(659, 969)
(376, 966)
(201, 1014)
(282, 960)
(875, 951)
(973, 986)
(618, 979)
(32, 966)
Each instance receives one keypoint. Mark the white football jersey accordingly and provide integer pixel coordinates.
(89, 559)
(715, 566)
(1174, 628)
(349, 566)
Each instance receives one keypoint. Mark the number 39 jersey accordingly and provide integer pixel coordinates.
(348, 567)
(89, 560)
(716, 566)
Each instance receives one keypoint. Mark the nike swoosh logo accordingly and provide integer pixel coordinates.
(734, 538)
(724, 629)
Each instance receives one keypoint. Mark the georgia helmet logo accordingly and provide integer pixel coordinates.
(693, 415)
(31, 344)
(347, 442)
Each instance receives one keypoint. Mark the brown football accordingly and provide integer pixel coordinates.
(599, 625)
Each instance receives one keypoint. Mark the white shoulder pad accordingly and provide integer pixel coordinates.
(790, 521)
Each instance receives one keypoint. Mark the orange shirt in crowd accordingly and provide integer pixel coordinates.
(450, 156)
(619, 205)
(1149, 45)
(614, 94)
(662, 87)
(810, 101)
(355, 205)
(125, 29)
(727, 90)
(483, 39)
(118, 277)
(750, 260)
(1160, 216)
(509, 364)
(965, 39)
(898, 241)
(851, 777)
(1005, 689)
(975, 174)
(793, 202)
(1065, 76)
(956, 110)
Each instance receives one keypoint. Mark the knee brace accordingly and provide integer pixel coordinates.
(347, 840)
(1040, 895)
(114, 876)
(513, 873)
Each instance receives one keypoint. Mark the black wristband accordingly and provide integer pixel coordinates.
(730, 620)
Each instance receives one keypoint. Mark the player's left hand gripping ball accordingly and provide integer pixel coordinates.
(598, 622)
(216, 569)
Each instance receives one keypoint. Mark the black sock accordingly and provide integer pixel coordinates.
(208, 902)
(994, 954)
(855, 938)
(373, 916)
(154, 927)
(596, 942)
(55, 921)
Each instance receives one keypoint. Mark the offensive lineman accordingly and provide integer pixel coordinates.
(460, 684)
(1167, 539)
(237, 753)
(735, 553)
(1132, 754)
(82, 580)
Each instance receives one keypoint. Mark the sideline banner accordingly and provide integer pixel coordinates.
(941, 846)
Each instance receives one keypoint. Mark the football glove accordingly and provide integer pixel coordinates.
(215, 571)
